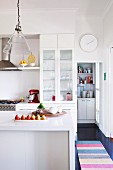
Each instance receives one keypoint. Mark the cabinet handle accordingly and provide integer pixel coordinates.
(83, 100)
(88, 100)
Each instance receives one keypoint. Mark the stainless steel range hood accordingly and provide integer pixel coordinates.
(5, 63)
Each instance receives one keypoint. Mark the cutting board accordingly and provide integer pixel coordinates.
(48, 114)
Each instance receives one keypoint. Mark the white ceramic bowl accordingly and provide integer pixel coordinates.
(23, 65)
(32, 64)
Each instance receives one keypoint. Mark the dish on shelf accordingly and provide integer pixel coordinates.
(32, 64)
(23, 65)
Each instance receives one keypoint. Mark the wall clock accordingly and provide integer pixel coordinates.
(88, 42)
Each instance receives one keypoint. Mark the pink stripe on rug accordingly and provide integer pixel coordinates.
(97, 166)
(89, 145)
(97, 169)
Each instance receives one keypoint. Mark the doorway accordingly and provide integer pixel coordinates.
(89, 108)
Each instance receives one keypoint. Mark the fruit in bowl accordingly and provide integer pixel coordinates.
(17, 117)
(28, 117)
(22, 117)
(43, 117)
(23, 63)
(33, 117)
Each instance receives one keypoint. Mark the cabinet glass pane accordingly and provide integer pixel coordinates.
(65, 75)
(48, 75)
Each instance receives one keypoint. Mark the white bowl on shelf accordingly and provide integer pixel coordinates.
(32, 64)
(23, 65)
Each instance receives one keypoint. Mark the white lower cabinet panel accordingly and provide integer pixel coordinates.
(34, 150)
(86, 109)
(91, 109)
(82, 109)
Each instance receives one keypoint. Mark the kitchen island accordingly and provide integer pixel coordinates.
(39, 145)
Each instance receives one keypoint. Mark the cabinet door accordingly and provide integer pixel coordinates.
(82, 109)
(91, 109)
(66, 74)
(48, 75)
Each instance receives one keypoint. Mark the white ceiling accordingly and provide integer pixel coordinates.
(98, 7)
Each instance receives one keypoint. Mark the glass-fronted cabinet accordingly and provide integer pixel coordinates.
(66, 71)
(49, 75)
(56, 75)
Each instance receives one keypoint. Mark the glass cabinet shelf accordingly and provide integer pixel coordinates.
(48, 79)
(48, 70)
(85, 73)
(65, 79)
(49, 90)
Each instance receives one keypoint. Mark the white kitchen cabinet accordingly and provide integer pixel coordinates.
(91, 114)
(57, 71)
(86, 109)
(82, 109)
(48, 41)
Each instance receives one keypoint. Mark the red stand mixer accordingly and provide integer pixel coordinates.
(33, 96)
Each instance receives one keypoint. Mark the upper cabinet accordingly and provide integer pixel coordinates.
(57, 70)
(66, 41)
(48, 41)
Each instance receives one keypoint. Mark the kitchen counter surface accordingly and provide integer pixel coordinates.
(62, 122)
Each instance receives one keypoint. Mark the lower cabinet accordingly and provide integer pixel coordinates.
(86, 109)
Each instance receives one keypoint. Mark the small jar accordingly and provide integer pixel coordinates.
(68, 96)
(89, 70)
(53, 98)
(87, 95)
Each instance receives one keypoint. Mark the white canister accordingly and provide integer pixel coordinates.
(91, 94)
(84, 94)
(89, 70)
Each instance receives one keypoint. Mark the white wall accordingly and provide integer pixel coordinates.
(108, 40)
(39, 22)
(50, 21)
(93, 26)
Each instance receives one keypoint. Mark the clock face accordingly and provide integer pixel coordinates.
(88, 43)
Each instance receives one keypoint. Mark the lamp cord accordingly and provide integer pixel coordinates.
(18, 27)
(18, 13)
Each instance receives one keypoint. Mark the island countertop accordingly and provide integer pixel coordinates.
(62, 122)
(42, 144)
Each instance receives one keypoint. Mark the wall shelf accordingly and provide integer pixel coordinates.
(29, 68)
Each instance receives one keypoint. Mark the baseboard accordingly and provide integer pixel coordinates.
(85, 125)
(86, 121)
(106, 133)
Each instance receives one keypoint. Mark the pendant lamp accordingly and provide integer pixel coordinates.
(17, 43)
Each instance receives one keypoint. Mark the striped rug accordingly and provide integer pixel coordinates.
(93, 156)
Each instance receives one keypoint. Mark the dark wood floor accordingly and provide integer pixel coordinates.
(92, 132)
